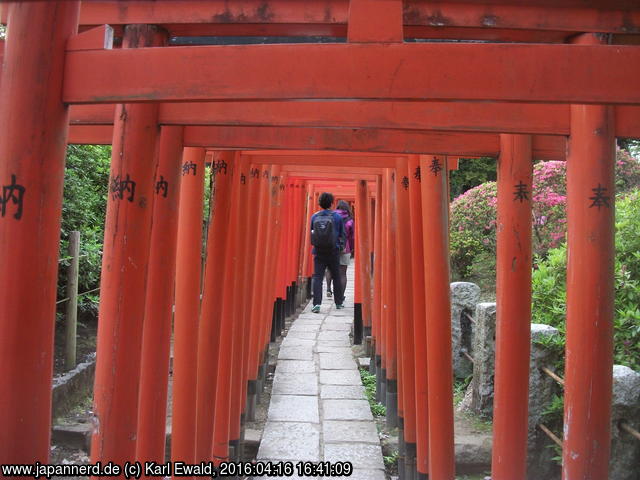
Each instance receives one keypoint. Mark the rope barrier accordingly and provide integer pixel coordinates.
(629, 429)
(469, 357)
(79, 295)
(553, 375)
(473, 320)
(550, 434)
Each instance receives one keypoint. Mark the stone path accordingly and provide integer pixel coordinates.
(318, 409)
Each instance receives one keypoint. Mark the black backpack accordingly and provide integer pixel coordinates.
(322, 233)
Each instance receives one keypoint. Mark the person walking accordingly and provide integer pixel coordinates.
(346, 254)
(328, 239)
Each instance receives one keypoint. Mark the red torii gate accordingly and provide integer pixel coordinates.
(509, 73)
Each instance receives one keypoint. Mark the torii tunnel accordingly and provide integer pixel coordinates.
(357, 97)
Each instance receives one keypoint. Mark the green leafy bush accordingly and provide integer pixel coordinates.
(549, 284)
(83, 209)
(473, 217)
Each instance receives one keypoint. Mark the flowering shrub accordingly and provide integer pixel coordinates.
(473, 215)
(549, 284)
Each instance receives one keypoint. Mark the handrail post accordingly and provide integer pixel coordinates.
(71, 316)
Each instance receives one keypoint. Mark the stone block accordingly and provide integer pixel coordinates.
(297, 342)
(291, 441)
(293, 408)
(625, 408)
(333, 361)
(346, 410)
(464, 297)
(304, 327)
(481, 399)
(333, 336)
(295, 366)
(301, 334)
(342, 391)
(300, 384)
(335, 326)
(361, 455)
(296, 353)
(336, 431)
(341, 350)
(340, 377)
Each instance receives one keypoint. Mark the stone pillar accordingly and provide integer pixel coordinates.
(464, 297)
(484, 345)
(625, 408)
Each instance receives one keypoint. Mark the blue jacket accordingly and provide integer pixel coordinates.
(338, 227)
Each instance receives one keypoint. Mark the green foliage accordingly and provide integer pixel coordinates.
(84, 207)
(473, 217)
(369, 382)
(471, 172)
(549, 284)
(459, 388)
(391, 461)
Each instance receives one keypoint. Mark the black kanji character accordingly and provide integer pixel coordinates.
(118, 187)
(14, 193)
(405, 182)
(521, 193)
(600, 199)
(187, 167)
(162, 185)
(435, 166)
(220, 167)
(255, 173)
(416, 174)
(243, 178)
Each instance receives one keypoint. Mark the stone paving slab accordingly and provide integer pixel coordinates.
(346, 410)
(342, 350)
(297, 342)
(290, 441)
(304, 327)
(334, 343)
(296, 353)
(334, 320)
(318, 409)
(335, 361)
(295, 366)
(361, 455)
(337, 327)
(331, 335)
(340, 377)
(300, 384)
(340, 431)
(293, 408)
(301, 334)
(355, 392)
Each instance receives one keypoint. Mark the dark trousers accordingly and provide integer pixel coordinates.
(322, 261)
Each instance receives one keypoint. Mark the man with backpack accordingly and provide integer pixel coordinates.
(328, 239)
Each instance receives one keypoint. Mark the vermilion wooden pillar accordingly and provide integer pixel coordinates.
(376, 325)
(211, 314)
(513, 321)
(187, 310)
(419, 315)
(257, 318)
(33, 133)
(229, 328)
(156, 338)
(124, 270)
(590, 291)
(404, 289)
(390, 304)
(362, 254)
(435, 216)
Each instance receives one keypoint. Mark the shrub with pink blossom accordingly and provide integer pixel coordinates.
(473, 216)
